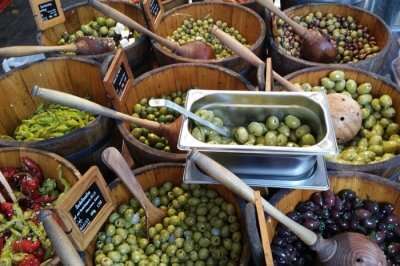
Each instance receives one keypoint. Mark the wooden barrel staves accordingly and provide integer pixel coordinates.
(380, 86)
(156, 175)
(166, 80)
(285, 64)
(79, 14)
(81, 77)
(246, 21)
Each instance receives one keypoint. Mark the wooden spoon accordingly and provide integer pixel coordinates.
(315, 46)
(114, 160)
(169, 131)
(83, 46)
(195, 49)
(345, 112)
(345, 249)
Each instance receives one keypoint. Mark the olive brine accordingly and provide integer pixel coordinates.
(201, 228)
(289, 131)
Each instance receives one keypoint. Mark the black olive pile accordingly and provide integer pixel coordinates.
(353, 40)
(162, 115)
(329, 214)
(200, 229)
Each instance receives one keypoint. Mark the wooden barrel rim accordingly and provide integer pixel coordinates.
(74, 133)
(142, 38)
(388, 164)
(310, 63)
(257, 44)
(153, 151)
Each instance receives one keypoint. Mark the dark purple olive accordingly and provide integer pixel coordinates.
(295, 216)
(377, 236)
(354, 223)
(309, 214)
(393, 249)
(280, 255)
(333, 228)
(325, 212)
(346, 215)
(397, 259)
(347, 194)
(397, 231)
(372, 206)
(279, 241)
(357, 203)
(387, 208)
(389, 234)
(329, 198)
(283, 232)
(347, 205)
(339, 204)
(369, 223)
(391, 219)
(306, 206)
(335, 214)
(343, 224)
(317, 199)
(362, 214)
(311, 224)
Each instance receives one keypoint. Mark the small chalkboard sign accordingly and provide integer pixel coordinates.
(86, 207)
(153, 11)
(47, 13)
(118, 79)
(154, 8)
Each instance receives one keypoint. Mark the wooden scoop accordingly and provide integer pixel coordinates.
(83, 46)
(345, 112)
(114, 160)
(315, 46)
(345, 249)
(195, 49)
(169, 131)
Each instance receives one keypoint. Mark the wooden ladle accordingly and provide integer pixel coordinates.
(345, 249)
(169, 131)
(195, 49)
(83, 46)
(345, 112)
(114, 160)
(315, 46)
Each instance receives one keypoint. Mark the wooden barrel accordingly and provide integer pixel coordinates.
(285, 64)
(81, 77)
(170, 4)
(367, 186)
(380, 86)
(82, 13)
(166, 80)
(241, 18)
(156, 175)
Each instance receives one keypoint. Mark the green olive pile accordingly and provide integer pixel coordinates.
(199, 30)
(378, 139)
(159, 114)
(200, 229)
(289, 132)
(353, 41)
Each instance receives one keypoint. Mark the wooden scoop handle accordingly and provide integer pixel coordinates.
(114, 160)
(60, 241)
(91, 107)
(130, 23)
(234, 183)
(35, 49)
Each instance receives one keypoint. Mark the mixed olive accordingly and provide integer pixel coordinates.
(378, 139)
(288, 132)
(159, 114)
(201, 228)
(102, 27)
(329, 214)
(199, 30)
(353, 40)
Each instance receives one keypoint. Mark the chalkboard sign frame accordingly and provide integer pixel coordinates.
(153, 20)
(82, 239)
(46, 24)
(119, 62)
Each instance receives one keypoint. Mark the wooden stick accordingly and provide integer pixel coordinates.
(7, 186)
(266, 242)
(35, 49)
(2, 199)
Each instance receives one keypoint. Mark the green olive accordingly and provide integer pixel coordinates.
(272, 122)
(270, 139)
(336, 75)
(292, 122)
(364, 88)
(307, 140)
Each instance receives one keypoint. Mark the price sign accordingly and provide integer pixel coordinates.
(47, 13)
(153, 11)
(118, 79)
(86, 207)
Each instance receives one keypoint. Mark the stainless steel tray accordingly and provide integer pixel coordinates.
(237, 108)
(315, 178)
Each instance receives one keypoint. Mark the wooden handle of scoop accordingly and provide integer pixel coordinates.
(61, 243)
(35, 49)
(91, 107)
(234, 183)
(114, 160)
(130, 23)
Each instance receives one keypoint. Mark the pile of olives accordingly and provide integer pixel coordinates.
(289, 132)
(329, 214)
(353, 41)
(378, 139)
(159, 114)
(201, 228)
(199, 30)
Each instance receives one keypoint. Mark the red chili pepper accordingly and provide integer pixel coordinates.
(29, 260)
(26, 246)
(8, 172)
(33, 168)
(44, 199)
(30, 186)
(39, 253)
(6, 208)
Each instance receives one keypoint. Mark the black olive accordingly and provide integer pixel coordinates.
(391, 219)
(387, 208)
(317, 199)
(393, 249)
(347, 194)
(343, 224)
(363, 214)
(336, 214)
(325, 212)
(371, 206)
(280, 255)
(357, 203)
(377, 236)
(278, 241)
(339, 204)
(296, 216)
(311, 224)
(346, 215)
(354, 223)
(369, 223)
(306, 206)
(333, 228)
(309, 214)
(329, 198)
